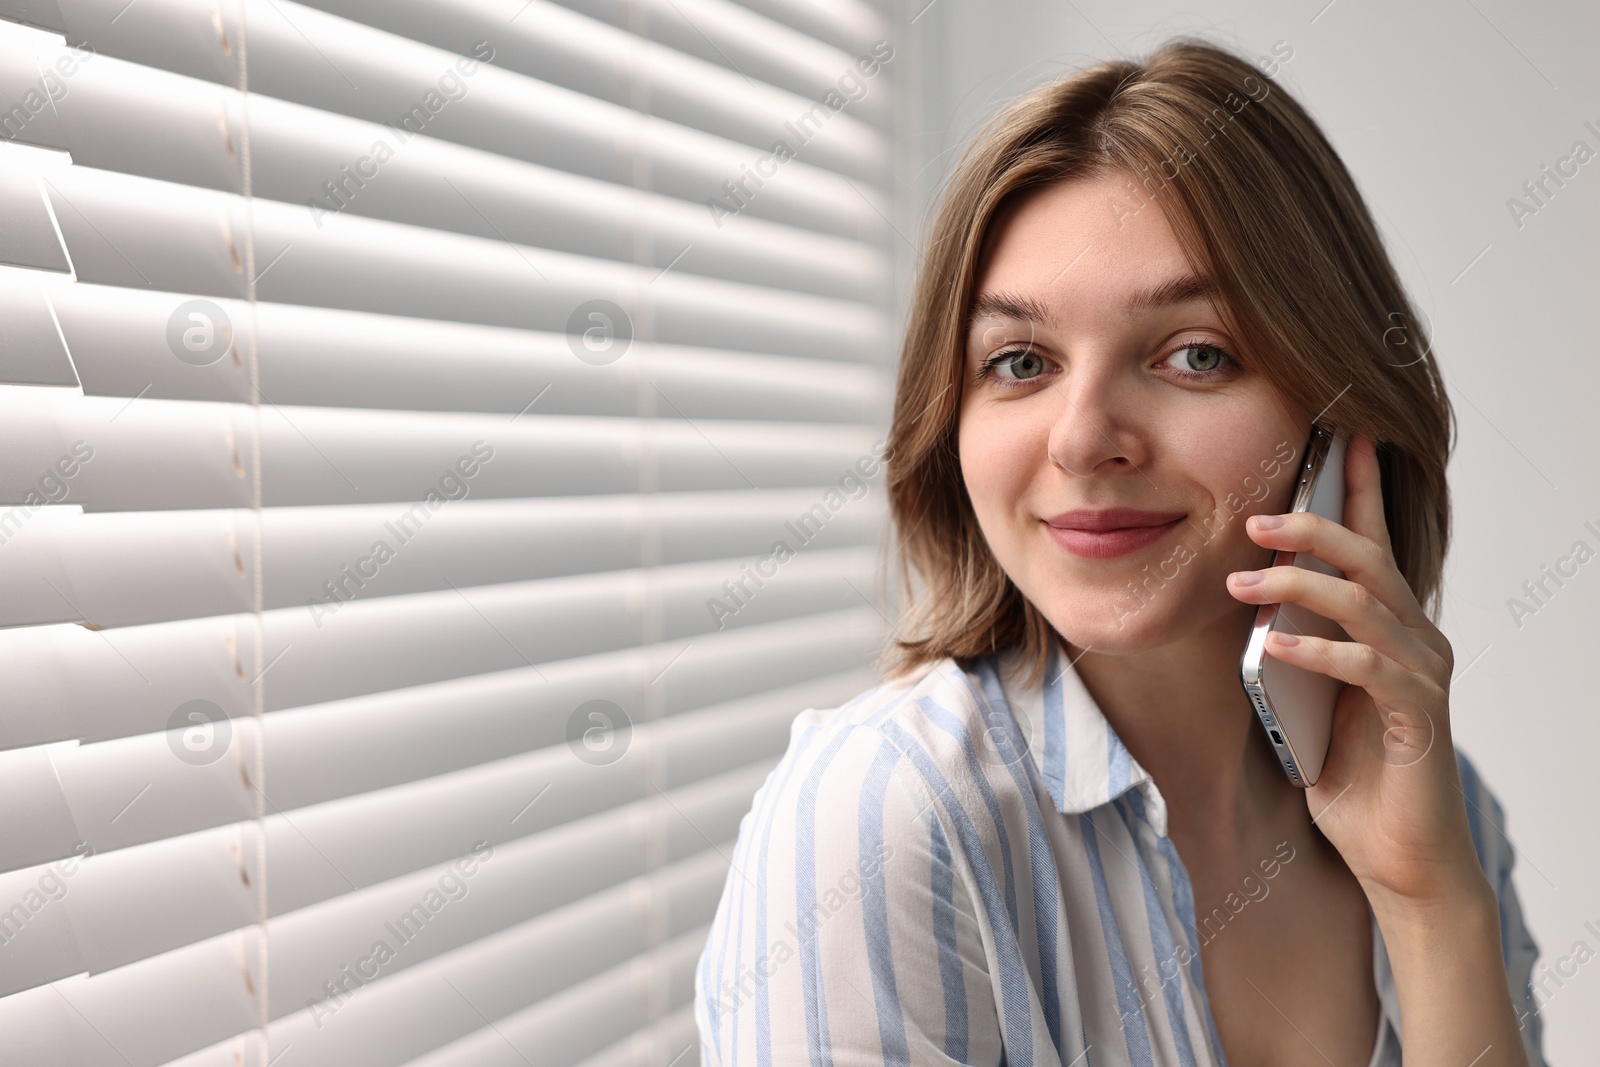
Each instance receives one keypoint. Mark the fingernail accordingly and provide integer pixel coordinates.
(1268, 522)
(1285, 639)
(1246, 577)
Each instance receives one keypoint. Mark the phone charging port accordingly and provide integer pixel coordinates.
(1277, 738)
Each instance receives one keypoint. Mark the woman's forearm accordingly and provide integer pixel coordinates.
(1455, 1006)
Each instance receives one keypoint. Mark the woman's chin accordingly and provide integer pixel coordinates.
(1124, 626)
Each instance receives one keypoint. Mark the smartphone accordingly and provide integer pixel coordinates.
(1295, 705)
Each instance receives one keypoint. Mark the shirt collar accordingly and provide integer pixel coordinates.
(1083, 762)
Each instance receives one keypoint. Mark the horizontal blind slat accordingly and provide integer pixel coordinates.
(114, 569)
(67, 682)
(109, 454)
(325, 357)
(201, 660)
(86, 688)
(118, 115)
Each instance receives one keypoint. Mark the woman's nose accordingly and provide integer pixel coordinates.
(1097, 426)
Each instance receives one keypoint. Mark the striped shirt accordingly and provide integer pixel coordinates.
(955, 868)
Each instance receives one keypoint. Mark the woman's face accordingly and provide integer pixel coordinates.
(1112, 440)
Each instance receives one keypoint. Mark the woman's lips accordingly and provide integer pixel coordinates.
(1103, 534)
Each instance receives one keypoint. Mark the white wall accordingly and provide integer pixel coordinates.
(1442, 111)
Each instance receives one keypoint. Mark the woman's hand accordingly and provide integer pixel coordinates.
(1389, 797)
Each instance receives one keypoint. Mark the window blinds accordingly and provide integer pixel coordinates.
(439, 444)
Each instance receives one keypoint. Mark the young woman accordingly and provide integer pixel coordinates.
(1057, 834)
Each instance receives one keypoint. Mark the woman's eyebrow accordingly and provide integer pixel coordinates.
(1010, 306)
(1179, 290)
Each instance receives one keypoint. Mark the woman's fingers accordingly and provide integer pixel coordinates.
(1363, 501)
(1360, 558)
(1353, 606)
(1388, 683)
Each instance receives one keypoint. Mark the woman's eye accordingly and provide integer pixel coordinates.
(1016, 365)
(1198, 358)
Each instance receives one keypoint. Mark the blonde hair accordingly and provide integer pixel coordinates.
(1259, 201)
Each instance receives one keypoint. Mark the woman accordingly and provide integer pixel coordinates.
(1057, 835)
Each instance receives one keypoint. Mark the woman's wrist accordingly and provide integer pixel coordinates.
(1459, 896)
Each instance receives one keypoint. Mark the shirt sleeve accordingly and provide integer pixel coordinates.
(1486, 818)
(846, 934)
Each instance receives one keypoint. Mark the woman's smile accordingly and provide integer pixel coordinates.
(1110, 532)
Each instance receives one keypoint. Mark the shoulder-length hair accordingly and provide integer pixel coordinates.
(1259, 200)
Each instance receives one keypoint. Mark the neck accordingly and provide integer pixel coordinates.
(1183, 715)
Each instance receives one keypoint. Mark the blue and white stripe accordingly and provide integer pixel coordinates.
(954, 868)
